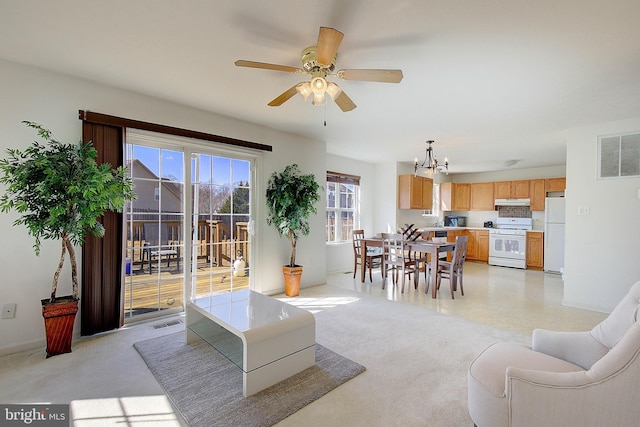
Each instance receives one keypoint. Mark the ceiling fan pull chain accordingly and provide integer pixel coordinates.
(325, 115)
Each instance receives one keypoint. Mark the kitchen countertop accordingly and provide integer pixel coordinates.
(478, 227)
(425, 229)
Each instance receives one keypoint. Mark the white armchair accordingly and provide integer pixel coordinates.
(565, 379)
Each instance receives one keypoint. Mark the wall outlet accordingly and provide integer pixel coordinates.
(8, 311)
(583, 210)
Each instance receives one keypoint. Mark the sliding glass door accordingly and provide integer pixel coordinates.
(160, 259)
(221, 217)
(154, 269)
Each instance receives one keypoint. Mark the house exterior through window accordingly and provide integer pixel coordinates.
(343, 206)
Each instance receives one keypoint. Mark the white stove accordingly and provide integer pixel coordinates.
(508, 242)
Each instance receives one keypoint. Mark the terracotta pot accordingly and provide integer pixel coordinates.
(58, 324)
(292, 276)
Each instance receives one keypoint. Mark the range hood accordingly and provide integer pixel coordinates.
(513, 202)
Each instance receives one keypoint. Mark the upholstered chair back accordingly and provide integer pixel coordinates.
(611, 330)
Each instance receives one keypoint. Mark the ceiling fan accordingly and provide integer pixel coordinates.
(319, 62)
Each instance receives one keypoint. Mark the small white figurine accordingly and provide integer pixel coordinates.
(238, 267)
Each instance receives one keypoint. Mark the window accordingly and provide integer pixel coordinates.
(343, 206)
(435, 210)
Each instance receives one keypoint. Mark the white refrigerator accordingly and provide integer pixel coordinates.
(554, 208)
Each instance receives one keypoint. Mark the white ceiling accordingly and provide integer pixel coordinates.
(490, 81)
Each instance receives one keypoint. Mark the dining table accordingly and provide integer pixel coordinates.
(419, 245)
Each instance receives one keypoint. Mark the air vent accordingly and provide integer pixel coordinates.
(619, 156)
(164, 325)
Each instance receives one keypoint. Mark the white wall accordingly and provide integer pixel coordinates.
(601, 250)
(53, 100)
(386, 198)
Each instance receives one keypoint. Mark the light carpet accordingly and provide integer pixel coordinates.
(207, 388)
(416, 360)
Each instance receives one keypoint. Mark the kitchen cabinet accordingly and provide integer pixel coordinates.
(537, 193)
(555, 184)
(471, 245)
(482, 196)
(511, 189)
(535, 250)
(415, 192)
(502, 189)
(461, 197)
(454, 196)
(520, 189)
(478, 245)
(482, 242)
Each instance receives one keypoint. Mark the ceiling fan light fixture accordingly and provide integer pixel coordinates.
(333, 90)
(318, 85)
(318, 62)
(304, 89)
(319, 99)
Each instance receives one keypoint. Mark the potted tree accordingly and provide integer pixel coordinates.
(60, 193)
(291, 199)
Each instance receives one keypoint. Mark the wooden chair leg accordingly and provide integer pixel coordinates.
(426, 270)
(383, 271)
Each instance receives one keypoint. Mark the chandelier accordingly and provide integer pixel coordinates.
(430, 162)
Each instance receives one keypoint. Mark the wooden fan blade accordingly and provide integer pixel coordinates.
(384, 76)
(344, 102)
(266, 66)
(284, 96)
(329, 41)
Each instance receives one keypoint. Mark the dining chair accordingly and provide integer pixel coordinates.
(373, 257)
(421, 258)
(397, 257)
(453, 270)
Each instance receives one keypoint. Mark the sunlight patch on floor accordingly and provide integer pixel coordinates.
(315, 305)
(128, 411)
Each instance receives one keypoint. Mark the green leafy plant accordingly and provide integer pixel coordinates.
(61, 192)
(291, 197)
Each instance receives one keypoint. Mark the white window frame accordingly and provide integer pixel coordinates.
(338, 211)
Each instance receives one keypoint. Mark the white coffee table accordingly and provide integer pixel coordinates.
(269, 340)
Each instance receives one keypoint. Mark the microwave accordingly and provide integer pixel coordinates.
(455, 221)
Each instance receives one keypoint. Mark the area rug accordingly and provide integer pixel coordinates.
(207, 388)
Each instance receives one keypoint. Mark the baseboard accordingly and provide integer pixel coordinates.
(589, 307)
(17, 348)
(33, 345)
